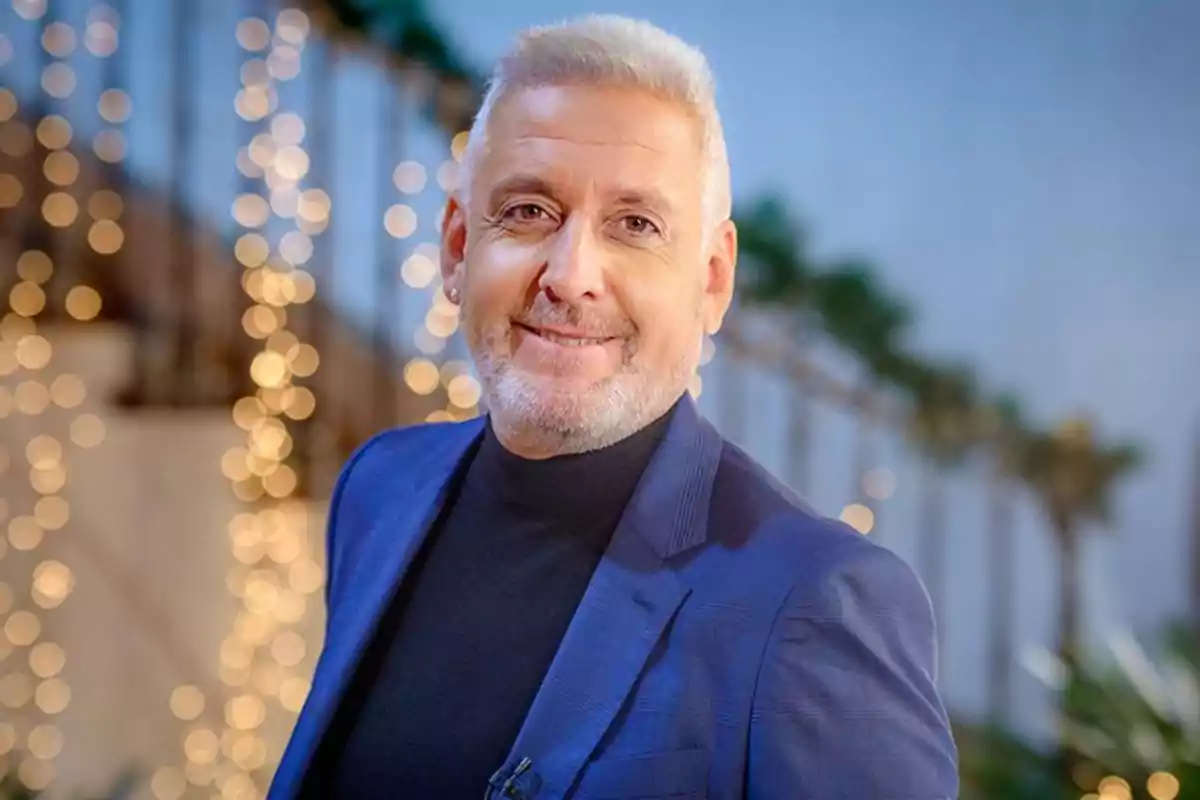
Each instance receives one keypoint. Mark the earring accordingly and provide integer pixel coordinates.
(452, 295)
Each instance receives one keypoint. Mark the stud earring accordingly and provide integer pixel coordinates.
(452, 295)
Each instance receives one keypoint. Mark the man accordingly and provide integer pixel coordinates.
(588, 593)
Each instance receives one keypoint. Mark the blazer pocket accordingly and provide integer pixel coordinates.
(674, 774)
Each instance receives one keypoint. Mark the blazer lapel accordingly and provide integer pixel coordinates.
(388, 549)
(631, 599)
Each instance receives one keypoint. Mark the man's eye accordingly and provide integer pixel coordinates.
(639, 225)
(526, 212)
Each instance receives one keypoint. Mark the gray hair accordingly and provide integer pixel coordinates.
(610, 50)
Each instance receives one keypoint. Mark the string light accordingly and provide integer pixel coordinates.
(1114, 787)
(1163, 786)
(422, 374)
(29, 10)
(879, 483)
(26, 358)
(273, 577)
(859, 517)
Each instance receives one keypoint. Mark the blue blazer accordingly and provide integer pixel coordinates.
(731, 642)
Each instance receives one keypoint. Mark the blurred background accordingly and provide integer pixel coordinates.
(967, 325)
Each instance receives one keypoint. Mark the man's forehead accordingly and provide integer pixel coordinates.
(623, 143)
(595, 117)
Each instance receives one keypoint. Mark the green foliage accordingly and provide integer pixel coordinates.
(1131, 725)
(405, 28)
(773, 269)
(943, 403)
(1000, 422)
(1072, 474)
(1139, 716)
(948, 416)
(857, 313)
(995, 764)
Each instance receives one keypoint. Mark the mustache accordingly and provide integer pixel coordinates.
(565, 316)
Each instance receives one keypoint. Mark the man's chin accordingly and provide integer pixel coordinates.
(559, 387)
(557, 403)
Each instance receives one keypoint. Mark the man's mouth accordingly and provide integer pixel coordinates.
(564, 336)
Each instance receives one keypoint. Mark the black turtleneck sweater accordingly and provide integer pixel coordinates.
(443, 689)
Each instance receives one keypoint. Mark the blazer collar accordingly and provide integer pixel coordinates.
(629, 604)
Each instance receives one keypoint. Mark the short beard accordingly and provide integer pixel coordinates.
(543, 419)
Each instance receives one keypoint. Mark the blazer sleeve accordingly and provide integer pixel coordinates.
(846, 705)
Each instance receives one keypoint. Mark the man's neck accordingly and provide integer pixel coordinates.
(535, 443)
(598, 481)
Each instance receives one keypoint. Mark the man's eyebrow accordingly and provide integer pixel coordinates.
(640, 197)
(519, 184)
(643, 198)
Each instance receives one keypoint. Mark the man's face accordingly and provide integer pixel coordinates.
(587, 273)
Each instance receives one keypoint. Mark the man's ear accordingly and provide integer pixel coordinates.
(721, 270)
(454, 246)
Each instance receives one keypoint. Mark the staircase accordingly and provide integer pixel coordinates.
(148, 549)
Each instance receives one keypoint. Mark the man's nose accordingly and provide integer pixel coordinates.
(574, 267)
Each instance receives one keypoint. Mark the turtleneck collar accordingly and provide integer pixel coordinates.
(581, 486)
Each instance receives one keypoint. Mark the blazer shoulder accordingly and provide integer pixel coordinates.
(395, 450)
(394, 441)
(756, 510)
(388, 461)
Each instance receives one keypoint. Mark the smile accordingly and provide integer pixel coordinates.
(565, 339)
